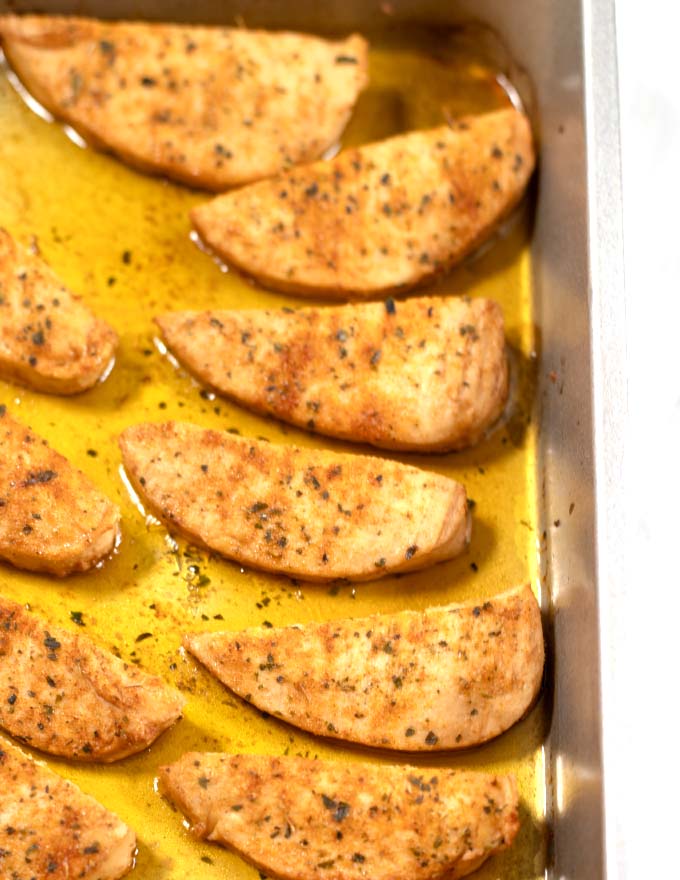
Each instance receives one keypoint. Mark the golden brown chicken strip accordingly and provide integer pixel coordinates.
(383, 217)
(49, 340)
(209, 106)
(52, 518)
(66, 696)
(304, 513)
(427, 374)
(300, 819)
(445, 678)
(50, 830)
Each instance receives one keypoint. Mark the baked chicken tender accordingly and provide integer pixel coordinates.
(52, 518)
(49, 340)
(68, 697)
(384, 217)
(209, 106)
(51, 830)
(306, 513)
(427, 374)
(301, 819)
(444, 678)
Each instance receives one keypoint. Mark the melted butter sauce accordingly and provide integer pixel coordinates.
(122, 240)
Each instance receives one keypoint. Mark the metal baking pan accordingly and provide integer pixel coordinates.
(564, 255)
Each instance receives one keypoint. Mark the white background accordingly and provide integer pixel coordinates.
(647, 629)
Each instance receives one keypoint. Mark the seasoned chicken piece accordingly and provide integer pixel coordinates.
(445, 678)
(49, 340)
(300, 819)
(383, 217)
(52, 518)
(306, 513)
(210, 106)
(426, 374)
(64, 695)
(50, 830)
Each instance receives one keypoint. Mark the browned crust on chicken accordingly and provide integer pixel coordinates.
(209, 106)
(299, 819)
(49, 340)
(386, 216)
(305, 513)
(64, 695)
(445, 678)
(50, 830)
(426, 374)
(52, 518)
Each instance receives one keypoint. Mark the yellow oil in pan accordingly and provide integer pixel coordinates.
(122, 240)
